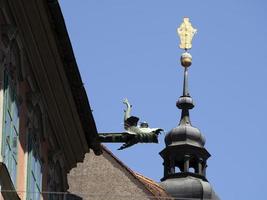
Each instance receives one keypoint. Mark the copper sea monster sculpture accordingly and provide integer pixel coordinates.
(133, 133)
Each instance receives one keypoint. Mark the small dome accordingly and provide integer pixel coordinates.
(185, 134)
(189, 188)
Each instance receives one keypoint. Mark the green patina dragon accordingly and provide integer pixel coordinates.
(133, 133)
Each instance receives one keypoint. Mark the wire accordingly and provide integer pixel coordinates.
(178, 197)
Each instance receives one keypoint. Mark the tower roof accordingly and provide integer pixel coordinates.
(185, 157)
(185, 134)
(189, 187)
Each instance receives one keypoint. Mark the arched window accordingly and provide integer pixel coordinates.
(192, 170)
(177, 170)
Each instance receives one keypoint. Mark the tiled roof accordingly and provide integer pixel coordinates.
(155, 189)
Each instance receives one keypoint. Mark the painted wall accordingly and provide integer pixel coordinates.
(33, 118)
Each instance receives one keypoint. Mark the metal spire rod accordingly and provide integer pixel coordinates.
(185, 117)
(186, 33)
(185, 86)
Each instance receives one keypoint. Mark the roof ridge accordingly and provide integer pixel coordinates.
(149, 179)
(154, 186)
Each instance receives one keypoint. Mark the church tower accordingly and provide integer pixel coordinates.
(185, 157)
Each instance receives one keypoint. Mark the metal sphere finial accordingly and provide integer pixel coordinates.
(186, 59)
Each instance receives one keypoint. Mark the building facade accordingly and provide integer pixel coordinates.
(45, 118)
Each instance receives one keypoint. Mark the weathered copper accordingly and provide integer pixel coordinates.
(133, 133)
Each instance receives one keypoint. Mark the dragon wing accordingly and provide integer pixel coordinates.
(131, 121)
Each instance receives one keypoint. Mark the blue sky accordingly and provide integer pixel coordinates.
(130, 49)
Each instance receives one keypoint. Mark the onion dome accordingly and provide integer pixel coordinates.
(185, 133)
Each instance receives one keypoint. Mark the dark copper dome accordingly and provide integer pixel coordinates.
(185, 134)
(189, 188)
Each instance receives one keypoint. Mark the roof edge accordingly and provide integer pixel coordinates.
(73, 75)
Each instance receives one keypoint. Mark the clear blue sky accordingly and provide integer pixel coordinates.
(130, 49)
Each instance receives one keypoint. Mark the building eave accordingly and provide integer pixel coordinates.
(73, 76)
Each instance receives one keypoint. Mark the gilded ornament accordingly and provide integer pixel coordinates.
(186, 33)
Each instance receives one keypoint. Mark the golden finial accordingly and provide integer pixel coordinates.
(186, 33)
